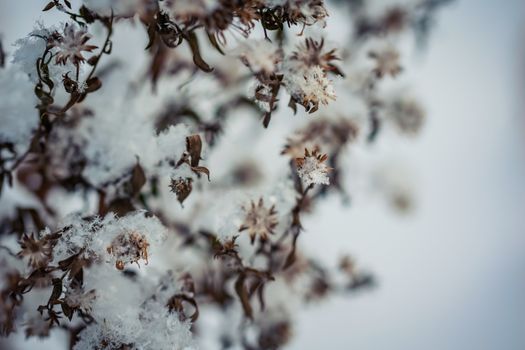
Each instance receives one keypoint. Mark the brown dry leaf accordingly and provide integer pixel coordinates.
(194, 148)
(191, 38)
(138, 179)
(201, 169)
(241, 291)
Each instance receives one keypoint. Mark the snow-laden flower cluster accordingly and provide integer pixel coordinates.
(312, 168)
(129, 314)
(110, 239)
(66, 42)
(310, 87)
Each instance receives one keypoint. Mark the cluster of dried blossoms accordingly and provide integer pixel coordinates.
(132, 107)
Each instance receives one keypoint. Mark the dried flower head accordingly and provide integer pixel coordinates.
(259, 220)
(327, 134)
(407, 114)
(309, 87)
(37, 251)
(306, 12)
(260, 56)
(129, 247)
(312, 168)
(181, 187)
(71, 44)
(77, 298)
(387, 62)
(310, 53)
(215, 16)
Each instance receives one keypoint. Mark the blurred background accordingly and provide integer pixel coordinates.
(451, 274)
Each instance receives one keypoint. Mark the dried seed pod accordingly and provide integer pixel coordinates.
(182, 188)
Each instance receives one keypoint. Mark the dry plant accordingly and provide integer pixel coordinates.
(140, 194)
